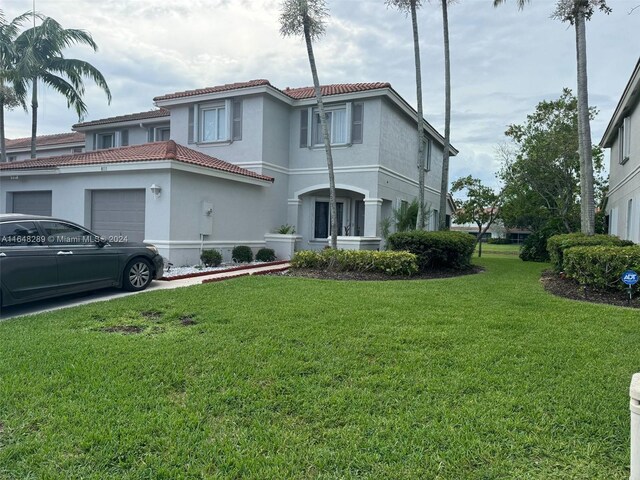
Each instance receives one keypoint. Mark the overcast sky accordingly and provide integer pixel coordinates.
(503, 61)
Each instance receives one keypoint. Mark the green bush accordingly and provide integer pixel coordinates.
(534, 248)
(601, 266)
(435, 249)
(266, 255)
(286, 229)
(242, 254)
(557, 244)
(389, 263)
(211, 258)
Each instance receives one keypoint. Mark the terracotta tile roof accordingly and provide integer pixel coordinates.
(336, 89)
(126, 118)
(147, 152)
(216, 89)
(295, 93)
(46, 140)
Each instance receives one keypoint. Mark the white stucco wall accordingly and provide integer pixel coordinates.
(624, 186)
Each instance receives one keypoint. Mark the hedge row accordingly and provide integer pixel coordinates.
(601, 266)
(435, 249)
(389, 263)
(557, 245)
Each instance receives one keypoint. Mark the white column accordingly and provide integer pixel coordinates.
(372, 216)
(293, 213)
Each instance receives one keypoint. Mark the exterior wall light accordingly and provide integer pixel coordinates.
(155, 189)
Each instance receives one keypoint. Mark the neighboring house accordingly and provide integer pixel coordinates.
(622, 136)
(248, 158)
(496, 230)
(46, 146)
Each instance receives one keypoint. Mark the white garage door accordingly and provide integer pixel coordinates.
(118, 213)
(32, 203)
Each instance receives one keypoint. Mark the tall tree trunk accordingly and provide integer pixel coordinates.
(3, 146)
(444, 182)
(34, 116)
(587, 201)
(333, 210)
(416, 51)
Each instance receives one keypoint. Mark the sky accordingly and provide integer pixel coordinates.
(504, 61)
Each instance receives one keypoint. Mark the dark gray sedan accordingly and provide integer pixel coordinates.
(42, 257)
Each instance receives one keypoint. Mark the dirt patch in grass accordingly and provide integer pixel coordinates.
(376, 276)
(568, 288)
(125, 329)
(186, 321)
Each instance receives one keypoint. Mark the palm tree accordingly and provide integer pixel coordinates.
(307, 18)
(8, 59)
(444, 182)
(411, 7)
(40, 50)
(577, 12)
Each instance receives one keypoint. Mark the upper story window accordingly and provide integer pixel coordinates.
(12, 158)
(213, 124)
(344, 125)
(111, 139)
(624, 141)
(159, 134)
(216, 122)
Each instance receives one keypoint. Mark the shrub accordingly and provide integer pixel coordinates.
(557, 244)
(601, 266)
(286, 229)
(242, 254)
(534, 248)
(389, 263)
(266, 255)
(211, 258)
(435, 249)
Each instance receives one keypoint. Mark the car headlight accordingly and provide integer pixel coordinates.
(153, 248)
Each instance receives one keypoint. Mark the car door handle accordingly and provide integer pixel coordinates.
(62, 252)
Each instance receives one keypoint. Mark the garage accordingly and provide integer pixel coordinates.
(32, 203)
(118, 213)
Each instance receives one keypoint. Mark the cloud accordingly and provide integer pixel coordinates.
(504, 60)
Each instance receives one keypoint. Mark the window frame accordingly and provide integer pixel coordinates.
(233, 120)
(316, 125)
(624, 141)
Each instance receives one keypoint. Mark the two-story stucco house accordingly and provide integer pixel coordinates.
(224, 166)
(622, 136)
(46, 146)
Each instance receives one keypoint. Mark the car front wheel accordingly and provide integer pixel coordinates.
(137, 275)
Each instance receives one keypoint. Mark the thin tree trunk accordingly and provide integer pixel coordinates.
(34, 116)
(416, 51)
(444, 182)
(3, 146)
(587, 201)
(333, 210)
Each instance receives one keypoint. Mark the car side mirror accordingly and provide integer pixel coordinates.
(101, 241)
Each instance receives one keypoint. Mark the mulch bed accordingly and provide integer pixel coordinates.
(376, 276)
(568, 288)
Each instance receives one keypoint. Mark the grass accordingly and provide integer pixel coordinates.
(499, 249)
(477, 377)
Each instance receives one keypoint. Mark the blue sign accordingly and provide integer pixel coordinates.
(630, 277)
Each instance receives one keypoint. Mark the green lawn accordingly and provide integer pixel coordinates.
(478, 377)
(498, 249)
